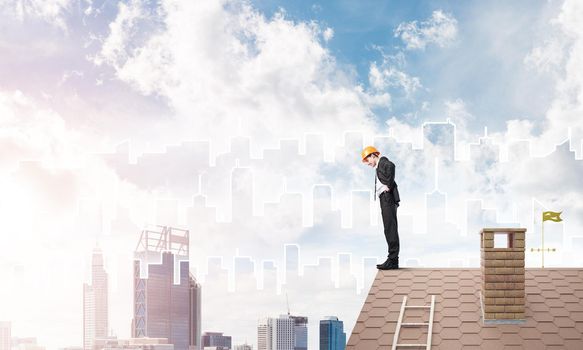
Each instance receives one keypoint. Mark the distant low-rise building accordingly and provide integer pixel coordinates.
(210, 340)
(28, 343)
(112, 343)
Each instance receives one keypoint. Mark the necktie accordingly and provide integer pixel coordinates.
(375, 185)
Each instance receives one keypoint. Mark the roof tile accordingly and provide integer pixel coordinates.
(533, 344)
(470, 339)
(450, 333)
(572, 344)
(554, 311)
(552, 339)
(570, 333)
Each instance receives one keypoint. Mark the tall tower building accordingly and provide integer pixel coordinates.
(195, 318)
(5, 336)
(95, 306)
(282, 336)
(166, 296)
(332, 336)
(264, 331)
(300, 332)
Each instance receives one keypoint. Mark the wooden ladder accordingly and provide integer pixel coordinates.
(400, 324)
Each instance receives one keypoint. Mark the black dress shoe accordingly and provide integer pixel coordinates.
(388, 267)
(385, 264)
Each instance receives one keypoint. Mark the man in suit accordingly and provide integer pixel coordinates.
(386, 190)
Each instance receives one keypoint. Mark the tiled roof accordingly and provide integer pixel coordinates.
(554, 311)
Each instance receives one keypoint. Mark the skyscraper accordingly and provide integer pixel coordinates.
(283, 333)
(166, 295)
(300, 332)
(282, 336)
(332, 336)
(95, 308)
(195, 319)
(264, 331)
(5, 336)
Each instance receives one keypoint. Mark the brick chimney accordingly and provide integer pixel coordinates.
(502, 268)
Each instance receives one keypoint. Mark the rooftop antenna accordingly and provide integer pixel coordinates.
(287, 301)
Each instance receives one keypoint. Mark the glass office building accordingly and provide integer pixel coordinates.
(332, 336)
(166, 295)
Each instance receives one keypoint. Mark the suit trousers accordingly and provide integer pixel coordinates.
(389, 214)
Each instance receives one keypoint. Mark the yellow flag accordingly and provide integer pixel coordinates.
(553, 216)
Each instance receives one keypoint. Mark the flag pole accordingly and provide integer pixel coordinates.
(543, 239)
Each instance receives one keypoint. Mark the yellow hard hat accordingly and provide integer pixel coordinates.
(367, 151)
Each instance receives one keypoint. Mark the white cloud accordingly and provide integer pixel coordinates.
(566, 108)
(545, 58)
(121, 31)
(51, 11)
(456, 111)
(405, 132)
(29, 131)
(440, 29)
(388, 76)
(43, 177)
(218, 62)
(328, 34)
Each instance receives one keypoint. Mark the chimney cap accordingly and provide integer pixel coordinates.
(503, 229)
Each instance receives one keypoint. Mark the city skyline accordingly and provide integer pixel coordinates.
(277, 268)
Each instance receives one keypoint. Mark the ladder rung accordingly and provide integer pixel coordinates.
(417, 307)
(414, 324)
(412, 345)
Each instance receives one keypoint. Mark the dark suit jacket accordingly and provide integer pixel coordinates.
(386, 175)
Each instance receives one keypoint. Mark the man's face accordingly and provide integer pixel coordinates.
(371, 161)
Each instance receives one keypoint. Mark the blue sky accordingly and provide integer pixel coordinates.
(484, 66)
